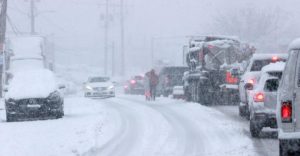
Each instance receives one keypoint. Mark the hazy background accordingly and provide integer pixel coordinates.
(77, 27)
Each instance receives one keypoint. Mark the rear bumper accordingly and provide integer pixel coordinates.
(265, 119)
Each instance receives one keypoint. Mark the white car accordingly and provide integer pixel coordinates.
(33, 94)
(178, 92)
(288, 104)
(263, 99)
(251, 77)
(99, 87)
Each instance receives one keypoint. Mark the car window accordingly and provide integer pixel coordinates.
(298, 72)
(259, 64)
(271, 85)
(289, 68)
(98, 79)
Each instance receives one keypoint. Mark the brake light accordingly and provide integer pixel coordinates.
(230, 79)
(275, 58)
(126, 87)
(210, 46)
(251, 81)
(133, 82)
(286, 112)
(259, 97)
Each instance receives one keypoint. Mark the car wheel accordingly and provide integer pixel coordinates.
(282, 150)
(255, 129)
(241, 111)
(59, 115)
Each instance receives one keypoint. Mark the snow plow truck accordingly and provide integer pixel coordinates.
(215, 66)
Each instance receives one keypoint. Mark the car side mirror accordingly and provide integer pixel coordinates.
(249, 86)
(61, 87)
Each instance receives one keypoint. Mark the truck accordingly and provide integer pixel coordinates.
(215, 65)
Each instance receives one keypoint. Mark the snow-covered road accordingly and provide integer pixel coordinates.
(130, 126)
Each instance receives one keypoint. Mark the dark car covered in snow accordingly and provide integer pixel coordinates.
(33, 94)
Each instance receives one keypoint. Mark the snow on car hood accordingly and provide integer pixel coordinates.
(100, 84)
(31, 84)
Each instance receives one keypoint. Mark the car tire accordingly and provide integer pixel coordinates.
(242, 111)
(282, 150)
(255, 129)
(59, 115)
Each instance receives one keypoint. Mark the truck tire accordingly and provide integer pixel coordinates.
(204, 97)
(255, 129)
(10, 118)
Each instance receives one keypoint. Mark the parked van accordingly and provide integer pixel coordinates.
(288, 103)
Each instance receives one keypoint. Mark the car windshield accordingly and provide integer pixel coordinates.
(149, 77)
(259, 64)
(98, 79)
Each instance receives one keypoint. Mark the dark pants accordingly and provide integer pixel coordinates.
(152, 91)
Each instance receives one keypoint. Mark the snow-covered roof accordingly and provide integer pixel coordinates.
(25, 64)
(278, 66)
(27, 47)
(262, 56)
(295, 44)
(31, 84)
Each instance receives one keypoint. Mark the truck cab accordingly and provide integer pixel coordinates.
(215, 64)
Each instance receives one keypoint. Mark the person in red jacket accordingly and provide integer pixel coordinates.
(153, 77)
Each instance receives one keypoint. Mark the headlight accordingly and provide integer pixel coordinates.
(55, 96)
(111, 87)
(88, 88)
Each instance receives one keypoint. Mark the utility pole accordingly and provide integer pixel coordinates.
(106, 37)
(32, 16)
(152, 52)
(113, 59)
(3, 15)
(123, 67)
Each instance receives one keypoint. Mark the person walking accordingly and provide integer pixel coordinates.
(153, 83)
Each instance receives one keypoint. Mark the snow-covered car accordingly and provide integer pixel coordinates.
(33, 93)
(99, 87)
(263, 99)
(178, 92)
(251, 77)
(288, 104)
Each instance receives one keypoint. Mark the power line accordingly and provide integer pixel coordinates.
(13, 27)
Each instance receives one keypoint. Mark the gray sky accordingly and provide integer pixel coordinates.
(77, 25)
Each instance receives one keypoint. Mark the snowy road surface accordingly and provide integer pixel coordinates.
(130, 126)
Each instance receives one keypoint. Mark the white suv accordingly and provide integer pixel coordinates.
(263, 99)
(288, 103)
(251, 77)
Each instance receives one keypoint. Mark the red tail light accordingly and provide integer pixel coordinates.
(259, 97)
(230, 79)
(275, 58)
(132, 81)
(286, 112)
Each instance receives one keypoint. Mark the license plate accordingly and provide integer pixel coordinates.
(34, 106)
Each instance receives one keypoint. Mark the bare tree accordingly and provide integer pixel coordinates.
(250, 23)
